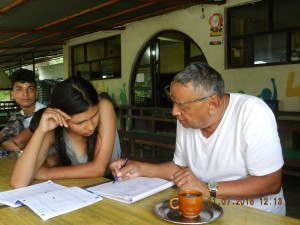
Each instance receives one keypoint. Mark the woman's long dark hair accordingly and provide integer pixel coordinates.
(73, 96)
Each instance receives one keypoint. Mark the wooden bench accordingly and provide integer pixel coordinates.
(289, 126)
(146, 126)
(129, 139)
(291, 162)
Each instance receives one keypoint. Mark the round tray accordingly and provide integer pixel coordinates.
(208, 214)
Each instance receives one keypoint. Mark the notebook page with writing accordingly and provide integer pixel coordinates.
(131, 190)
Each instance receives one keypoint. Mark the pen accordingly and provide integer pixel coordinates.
(124, 164)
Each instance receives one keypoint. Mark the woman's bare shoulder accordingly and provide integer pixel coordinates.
(105, 105)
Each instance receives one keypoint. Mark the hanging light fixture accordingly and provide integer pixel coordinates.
(202, 16)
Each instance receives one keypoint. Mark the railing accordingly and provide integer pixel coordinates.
(156, 127)
(7, 108)
(8, 105)
(289, 128)
(146, 126)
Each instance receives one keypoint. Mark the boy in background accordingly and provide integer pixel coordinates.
(16, 133)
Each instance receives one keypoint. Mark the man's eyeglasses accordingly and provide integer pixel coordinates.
(169, 94)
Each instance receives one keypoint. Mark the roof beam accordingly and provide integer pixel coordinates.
(62, 19)
(56, 31)
(10, 6)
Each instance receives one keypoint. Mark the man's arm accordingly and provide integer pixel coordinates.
(252, 186)
(18, 142)
(141, 169)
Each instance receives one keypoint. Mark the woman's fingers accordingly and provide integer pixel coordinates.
(57, 115)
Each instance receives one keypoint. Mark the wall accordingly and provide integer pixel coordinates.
(51, 71)
(5, 80)
(249, 80)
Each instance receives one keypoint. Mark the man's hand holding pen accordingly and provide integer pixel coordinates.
(124, 169)
(123, 165)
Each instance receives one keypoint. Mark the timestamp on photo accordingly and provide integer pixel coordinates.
(232, 201)
(270, 201)
(245, 201)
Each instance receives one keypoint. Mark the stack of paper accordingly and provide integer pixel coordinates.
(49, 199)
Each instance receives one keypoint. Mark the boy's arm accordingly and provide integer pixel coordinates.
(18, 142)
(1, 135)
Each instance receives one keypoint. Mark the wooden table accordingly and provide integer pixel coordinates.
(112, 212)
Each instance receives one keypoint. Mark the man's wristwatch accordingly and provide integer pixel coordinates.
(213, 188)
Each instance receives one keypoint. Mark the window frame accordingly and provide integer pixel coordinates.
(98, 75)
(288, 31)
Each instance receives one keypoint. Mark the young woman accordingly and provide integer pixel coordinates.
(75, 135)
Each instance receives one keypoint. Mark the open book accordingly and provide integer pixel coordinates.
(48, 199)
(131, 190)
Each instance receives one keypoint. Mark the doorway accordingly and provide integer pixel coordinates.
(167, 53)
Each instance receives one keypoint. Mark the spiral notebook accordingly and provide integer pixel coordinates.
(131, 190)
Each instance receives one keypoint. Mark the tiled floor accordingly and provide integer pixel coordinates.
(291, 184)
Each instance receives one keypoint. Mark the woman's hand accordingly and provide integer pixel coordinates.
(52, 118)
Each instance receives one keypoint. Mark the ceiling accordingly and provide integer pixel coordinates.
(38, 28)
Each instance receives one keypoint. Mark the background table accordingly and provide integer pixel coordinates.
(113, 212)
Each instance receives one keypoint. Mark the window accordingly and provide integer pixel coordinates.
(97, 60)
(5, 94)
(264, 32)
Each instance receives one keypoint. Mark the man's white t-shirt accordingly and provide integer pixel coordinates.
(245, 143)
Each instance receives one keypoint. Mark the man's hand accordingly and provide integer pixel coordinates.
(131, 170)
(185, 179)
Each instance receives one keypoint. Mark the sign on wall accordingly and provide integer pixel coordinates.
(216, 29)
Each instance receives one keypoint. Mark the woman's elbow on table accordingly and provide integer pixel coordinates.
(19, 178)
(18, 183)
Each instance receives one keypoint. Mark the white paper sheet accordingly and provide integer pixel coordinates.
(54, 203)
(11, 197)
(49, 199)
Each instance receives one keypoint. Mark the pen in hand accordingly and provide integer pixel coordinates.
(124, 164)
